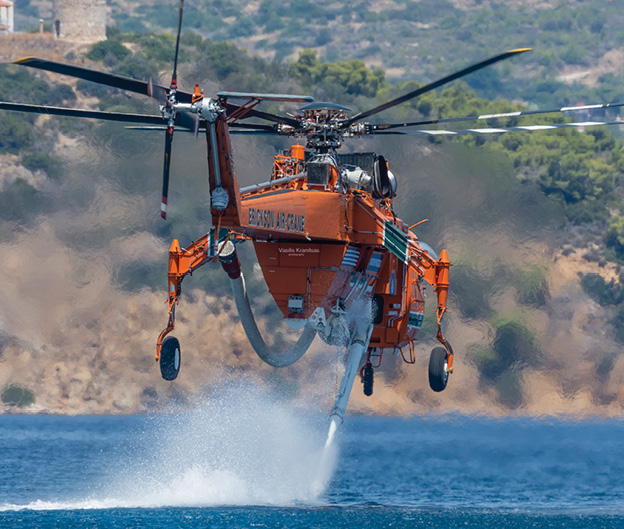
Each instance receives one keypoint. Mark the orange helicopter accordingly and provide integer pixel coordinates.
(336, 259)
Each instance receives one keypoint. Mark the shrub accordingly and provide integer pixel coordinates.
(19, 200)
(42, 161)
(531, 285)
(16, 133)
(101, 50)
(615, 235)
(472, 291)
(618, 325)
(501, 363)
(602, 292)
(16, 395)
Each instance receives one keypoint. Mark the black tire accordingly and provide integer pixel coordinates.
(438, 373)
(368, 380)
(170, 358)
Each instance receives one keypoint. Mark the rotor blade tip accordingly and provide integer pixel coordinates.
(23, 59)
(520, 50)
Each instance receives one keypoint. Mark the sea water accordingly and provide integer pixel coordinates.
(254, 463)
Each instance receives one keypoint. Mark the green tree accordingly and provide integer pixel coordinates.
(352, 76)
(109, 48)
(615, 234)
(16, 395)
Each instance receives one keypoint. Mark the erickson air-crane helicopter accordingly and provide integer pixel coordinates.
(327, 239)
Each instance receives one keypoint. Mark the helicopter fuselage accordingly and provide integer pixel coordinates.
(322, 253)
(326, 247)
(329, 245)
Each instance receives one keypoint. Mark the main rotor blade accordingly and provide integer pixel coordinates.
(139, 87)
(434, 85)
(254, 96)
(117, 81)
(500, 130)
(247, 113)
(254, 126)
(247, 128)
(174, 77)
(166, 168)
(257, 132)
(388, 126)
(75, 112)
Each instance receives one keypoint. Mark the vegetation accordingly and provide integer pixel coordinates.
(512, 349)
(472, 290)
(600, 291)
(19, 200)
(618, 325)
(615, 235)
(42, 161)
(418, 38)
(353, 77)
(607, 294)
(16, 395)
(531, 285)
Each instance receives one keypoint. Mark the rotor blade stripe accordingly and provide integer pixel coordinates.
(586, 107)
(503, 115)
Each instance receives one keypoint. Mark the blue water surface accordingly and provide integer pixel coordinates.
(390, 472)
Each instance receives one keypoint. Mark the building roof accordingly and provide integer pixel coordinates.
(5, 4)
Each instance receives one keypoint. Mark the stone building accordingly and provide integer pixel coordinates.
(79, 20)
(6, 16)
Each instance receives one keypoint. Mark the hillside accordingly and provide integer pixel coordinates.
(532, 224)
(575, 41)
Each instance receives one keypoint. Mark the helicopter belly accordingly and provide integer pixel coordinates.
(310, 282)
(299, 275)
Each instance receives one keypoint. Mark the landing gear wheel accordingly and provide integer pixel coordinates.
(438, 369)
(368, 380)
(170, 358)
